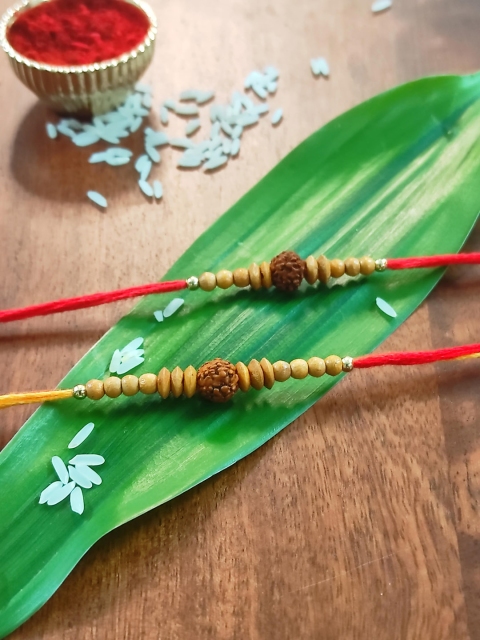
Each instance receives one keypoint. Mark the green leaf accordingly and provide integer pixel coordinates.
(396, 176)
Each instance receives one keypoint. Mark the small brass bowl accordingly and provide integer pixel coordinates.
(87, 89)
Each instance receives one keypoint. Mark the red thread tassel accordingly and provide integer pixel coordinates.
(415, 357)
(423, 262)
(93, 300)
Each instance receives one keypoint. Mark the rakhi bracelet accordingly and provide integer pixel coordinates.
(219, 380)
(286, 272)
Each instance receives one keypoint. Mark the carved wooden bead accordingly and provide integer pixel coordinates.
(257, 377)
(255, 276)
(266, 274)
(224, 279)
(287, 271)
(311, 270)
(147, 383)
(129, 385)
(324, 271)
(217, 380)
(333, 365)
(367, 265)
(299, 369)
(337, 268)
(95, 389)
(268, 375)
(189, 381)
(241, 277)
(243, 376)
(164, 383)
(352, 266)
(316, 367)
(113, 387)
(207, 281)
(177, 382)
(281, 370)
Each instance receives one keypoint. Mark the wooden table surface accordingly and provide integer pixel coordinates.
(361, 520)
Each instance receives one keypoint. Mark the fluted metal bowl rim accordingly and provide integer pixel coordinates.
(10, 14)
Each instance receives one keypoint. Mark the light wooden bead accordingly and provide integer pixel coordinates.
(311, 270)
(367, 265)
(337, 268)
(129, 385)
(299, 369)
(324, 271)
(147, 383)
(113, 387)
(266, 273)
(243, 376)
(255, 276)
(256, 374)
(207, 281)
(316, 367)
(224, 279)
(281, 370)
(333, 365)
(352, 266)
(95, 389)
(241, 277)
(268, 375)
(189, 381)
(164, 383)
(177, 382)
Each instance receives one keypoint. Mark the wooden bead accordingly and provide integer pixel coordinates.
(224, 279)
(352, 266)
(129, 385)
(147, 383)
(177, 382)
(266, 274)
(333, 365)
(299, 369)
(113, 387)
(281, 370)
(207, 281)
(189, 381)
(95, 389)
(241, 277)
(268, 375)
(311, 270)
(367, 265)
(164, 383)
(316, 367)
(256, 374)
(255, 276)
(337, 268)
(324, 272)
(243, 376)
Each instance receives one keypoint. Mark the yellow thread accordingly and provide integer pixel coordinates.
(12, 399)
(472, 355)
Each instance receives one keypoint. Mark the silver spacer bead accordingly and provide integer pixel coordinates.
(380, 264)
(347, 363)
(79, 391)
(192, 283)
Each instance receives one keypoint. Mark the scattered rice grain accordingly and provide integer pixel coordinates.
(52, 132)
(235, 147)
(46, 493)
(181, 143)
(152, 152)
(86, 138)
(77, 476)
(164, 115)
(172, 307)
(277, 116)
(76, 497)
(97, 198)
(386, 308)
(147, 190)
(381, 5)
(60, 493)
(215, 162)
(90, 459)
(186, 110)
(158, 315)
(88, 475)
(157, 189)
(81, 436)
(192, 126)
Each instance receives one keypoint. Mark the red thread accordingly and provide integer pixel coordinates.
(433, 261)
(78, 32)
(414, 357)
(93, 300)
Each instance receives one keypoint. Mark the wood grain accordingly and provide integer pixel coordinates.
(361, 520)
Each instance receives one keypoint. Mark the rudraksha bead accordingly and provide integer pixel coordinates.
(287, 271)
(217, 380)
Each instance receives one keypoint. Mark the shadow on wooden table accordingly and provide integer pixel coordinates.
(59, 170)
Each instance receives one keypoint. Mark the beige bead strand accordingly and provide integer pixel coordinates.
(177, 382)
(257, 377)
(189, 381)
(147, 383)
(333, 365)
(207, 281)
(241, 278)
(113, 387)
(224, 279)
(281, 370)
(268, 374)
(352, 267)
(367, 265)
(311, 270)
(299, 369)
(164, 383)
(266, 274)
(337, 268)
(95, 389)
(255, 276)
(130, 385)
(324, 271)
(243, 376)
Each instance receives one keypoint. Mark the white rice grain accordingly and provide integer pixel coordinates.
(186, 110)
(192, 126)
(215, 162)
(97, 198)
(81, 436)
(46, 493)
(76, 497)
(136, 343)
(146, 188)
(60, 493)
(277, 116)
(88, 475)
(90, 459)
(78, 477)
(158, 315)
(130, 363)
(164, 115)
(385, 307)
(235, 147)
(52, 132)
(153, 153)
(172, 307)
(381, 5)
(157, 189)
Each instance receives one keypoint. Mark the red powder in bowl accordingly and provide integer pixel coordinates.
(78, 32)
